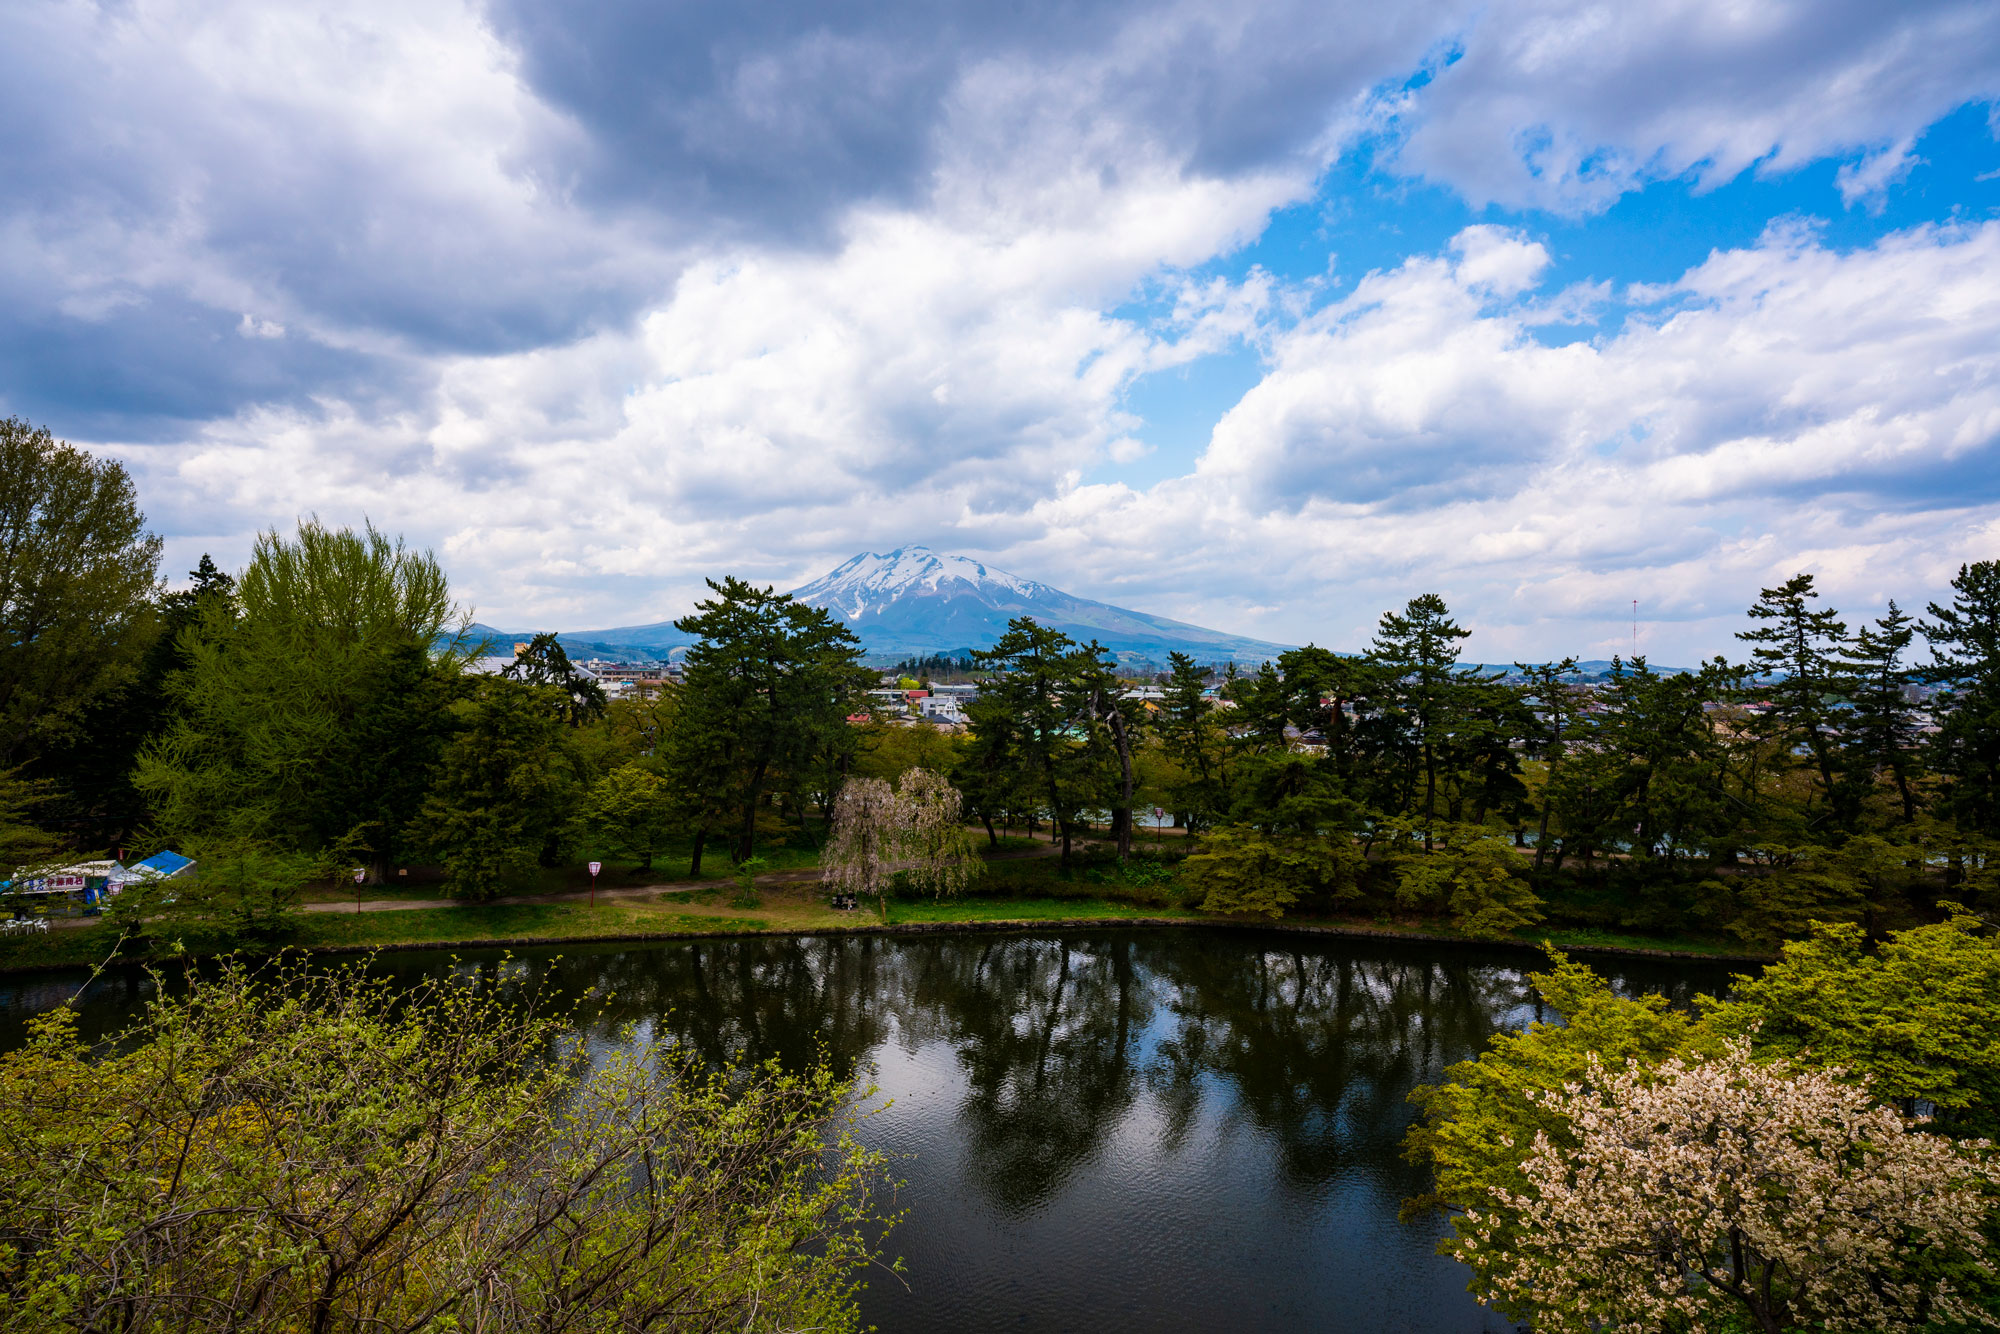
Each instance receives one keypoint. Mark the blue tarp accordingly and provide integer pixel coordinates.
(163, 864)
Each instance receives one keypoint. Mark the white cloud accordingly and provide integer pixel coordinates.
(1799, 408)
(379, 262)
(1566, 104)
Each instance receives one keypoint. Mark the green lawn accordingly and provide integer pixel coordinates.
(526, 921)
(1024, 892)
(1025, 909)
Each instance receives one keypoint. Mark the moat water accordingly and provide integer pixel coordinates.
(1099, 1129)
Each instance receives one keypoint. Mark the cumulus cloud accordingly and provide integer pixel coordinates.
(1566, 104)
(1780, 407)
(602, 299)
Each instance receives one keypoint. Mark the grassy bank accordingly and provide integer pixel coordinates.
(1027, 894)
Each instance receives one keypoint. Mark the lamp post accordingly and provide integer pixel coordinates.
(595, 867)
(360, 874)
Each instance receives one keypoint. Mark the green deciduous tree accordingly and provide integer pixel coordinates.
(630, 811)
(1477, 1127)
(321, 1151)
(1917, 1016)
(504, 790)
(1464, 870)
(1241, 869)
(310, 710)
(76, 570)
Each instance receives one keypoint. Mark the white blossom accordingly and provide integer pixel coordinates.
(1701, 1193)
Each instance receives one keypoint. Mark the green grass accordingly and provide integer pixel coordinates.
(502, 922)
(1021, 895)
(1584, 937)
(86, 945)
(1024, 910)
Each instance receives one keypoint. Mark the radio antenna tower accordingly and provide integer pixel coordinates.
(1635, 627)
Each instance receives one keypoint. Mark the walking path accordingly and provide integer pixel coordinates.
(769, 880)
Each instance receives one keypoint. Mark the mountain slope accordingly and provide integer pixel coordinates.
(915, 601)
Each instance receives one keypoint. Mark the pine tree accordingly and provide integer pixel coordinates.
(1418, 653)
(1804, 679)
(768, 687)
(1965, 663)
(1882, 739)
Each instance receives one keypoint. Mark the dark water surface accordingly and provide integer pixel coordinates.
(1139, 1129)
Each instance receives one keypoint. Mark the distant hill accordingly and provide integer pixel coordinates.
(913, 601)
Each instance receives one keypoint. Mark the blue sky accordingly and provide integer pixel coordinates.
(1267, 316)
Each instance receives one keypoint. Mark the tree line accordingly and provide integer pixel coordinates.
(317, 711)
(1827, 775)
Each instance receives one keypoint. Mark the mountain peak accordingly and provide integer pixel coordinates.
(916, 600)
(874, 581)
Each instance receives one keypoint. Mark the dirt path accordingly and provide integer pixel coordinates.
(769, 880)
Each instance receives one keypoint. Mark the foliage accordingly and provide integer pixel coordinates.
(76, 565)
(936, 849)
(1797, 659)
(1965, 663)
(544, 662)
(916, 833)
(1241, 869)
(1703, 1192)
(890, 750)
(21, 840)
(631, 811)
(1043, 726)
(310, 709)
(309, 1151)
(1418, 648)
(747, 872)
(1475, 1127)
(1917, 1016)
(504, 790)
(866, 840)
(1467, 872)
(768, 686)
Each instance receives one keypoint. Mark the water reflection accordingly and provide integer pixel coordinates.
(1164, 1129)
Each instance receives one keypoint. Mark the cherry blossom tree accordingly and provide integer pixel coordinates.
(939, 853)
(1701, 1193)
(867, 838)
(918, 832)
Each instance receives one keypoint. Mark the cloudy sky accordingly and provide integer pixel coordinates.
(1265, 315)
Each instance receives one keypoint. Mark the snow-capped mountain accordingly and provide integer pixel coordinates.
(914, 600)
(874, 584)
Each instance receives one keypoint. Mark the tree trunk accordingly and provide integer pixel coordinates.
(694, 862)
(992, 839)
(746, 839)
(1123, 821)
(1430, 795)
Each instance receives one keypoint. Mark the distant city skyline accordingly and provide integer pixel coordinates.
(1261, 317)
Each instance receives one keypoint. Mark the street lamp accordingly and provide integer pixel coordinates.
(595, 867)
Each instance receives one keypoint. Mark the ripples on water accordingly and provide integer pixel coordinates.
(1149, 1130)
